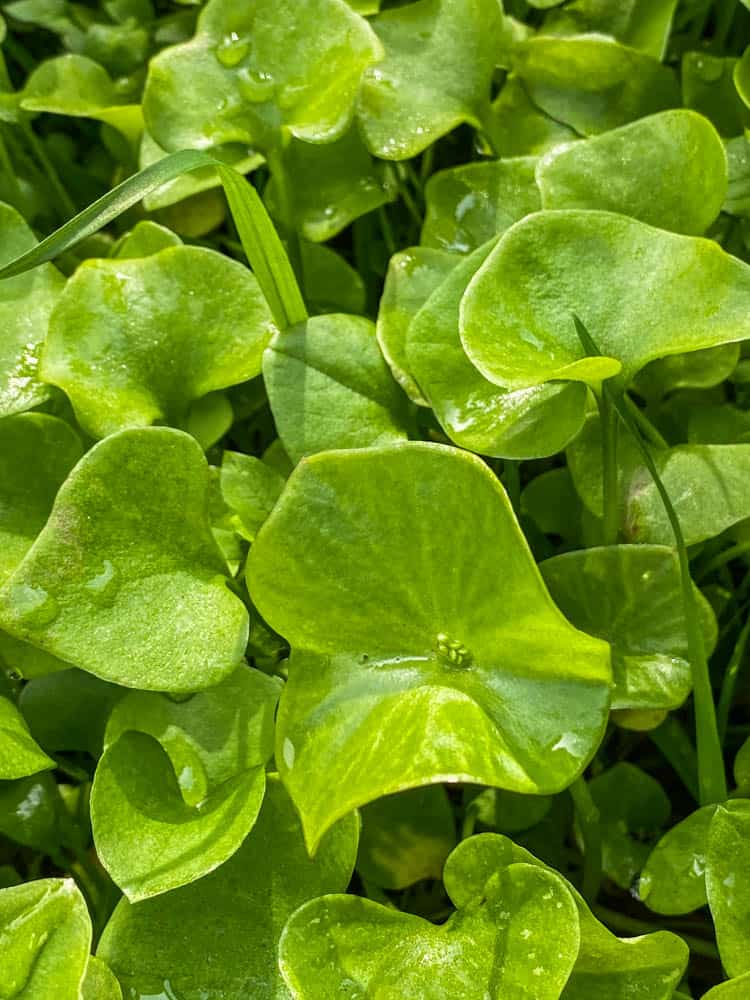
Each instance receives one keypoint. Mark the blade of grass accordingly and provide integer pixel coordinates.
(712, 783)
(588, 818)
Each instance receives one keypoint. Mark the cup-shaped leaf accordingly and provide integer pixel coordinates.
(45, 939)
(477, 414)
(642, 24)
(19, 753)
(181, 783)
(468, 205)
(218, 936)
(406, 838)
(172, 327)
(649, 967)
(516, 320)
(26, 302)
(519, 939)
(413, 275)
(674, 879)
(255, 71)
(727, 884)
(401, 577)
(440, 57)
(630, 595)
(125, 580)
(36, 454)
(593, 83)
(669, 170)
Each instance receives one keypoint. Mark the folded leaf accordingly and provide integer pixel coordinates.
(642, 24)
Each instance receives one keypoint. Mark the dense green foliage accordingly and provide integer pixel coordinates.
(374, 618)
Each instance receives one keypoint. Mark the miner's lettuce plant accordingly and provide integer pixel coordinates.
(374, 465)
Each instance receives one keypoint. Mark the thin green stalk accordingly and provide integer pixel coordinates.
(720, 560)
(610, 483)
(7, 165)
(630, 925)
(724, 17)
(675, 746)
(649, 431)
(387, 230)
(589, 824)
(712, 784)
(731, 675)
(285, 196)
(67, 204)
(406, 195)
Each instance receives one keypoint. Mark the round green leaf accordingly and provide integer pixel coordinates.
(250, 489)
(329, 387)
(516, 316)
(517, 127)
(100, 983)
(404, 572)
(26, 302)
(642, 24)
(31, 812)
(254, 71)
(468, 205)
(669, 170)
(630, 596)
(19, 753)
(440, 57)
(180, 784)
(696, 369)
(45, 938)
(475, 413)
(727, 886)
(734, 989)
(144, 239)
(413, 275)
(218, 936)
(125, 580)
(172, 327)
(674, 879)
(708, 87)
(593, 83)
(520, 939)
(329, 282)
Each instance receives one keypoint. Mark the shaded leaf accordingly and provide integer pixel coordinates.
(20, 753)
(673, 880)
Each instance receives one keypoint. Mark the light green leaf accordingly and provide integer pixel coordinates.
(734, 989)
(406, 838)
(26, 302)
(100, 983)
(522, 934)
(219, 935)
(444, 669)
(76, 86)
(329, 387)
(250, 489)
(673, 880)
(517, 127)
(125, 580)
(592, 83)
(708, 87)
(516, 323)
(145, 239)
(256, 72)
(36, 454)
(475, 413)
(440, 57)
(648, 967)
(331, 185)
(727, 886)
(209, 419)
(45, 938)
(696, 369)
(669, 170)
(468, 205)
(413, 275)
(181, 783)
(629, 595)
(330, 283)
(641, 24)
(20, 754)
(173, 327)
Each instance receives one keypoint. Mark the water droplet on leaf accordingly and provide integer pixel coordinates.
(232, 50)
(104, 586)
(33, 605)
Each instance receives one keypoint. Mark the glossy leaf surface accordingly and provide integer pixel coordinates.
(673, 880)
(20, 754)
(727, 886)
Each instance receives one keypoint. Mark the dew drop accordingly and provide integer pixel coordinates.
(232, 50)
(256, 86)
(288, 752)
(33, 605)
(104, 586)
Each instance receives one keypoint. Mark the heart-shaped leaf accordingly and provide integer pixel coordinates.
(173, 327)
(475, 413)
(466, 674)
(181, 783)
(468, 205)
(329, 387)
(45, 938)
(642, 24)
(648, 967)
(236, 913)
(630, 596)
(669, 170)
(125, 580)
(36, 454)
(516, 319)
(26, 302)
(727, 886)
(19, 753)
(593, 83)
(674, 879)
(256, 72)
(440, 57)
(519, 939)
